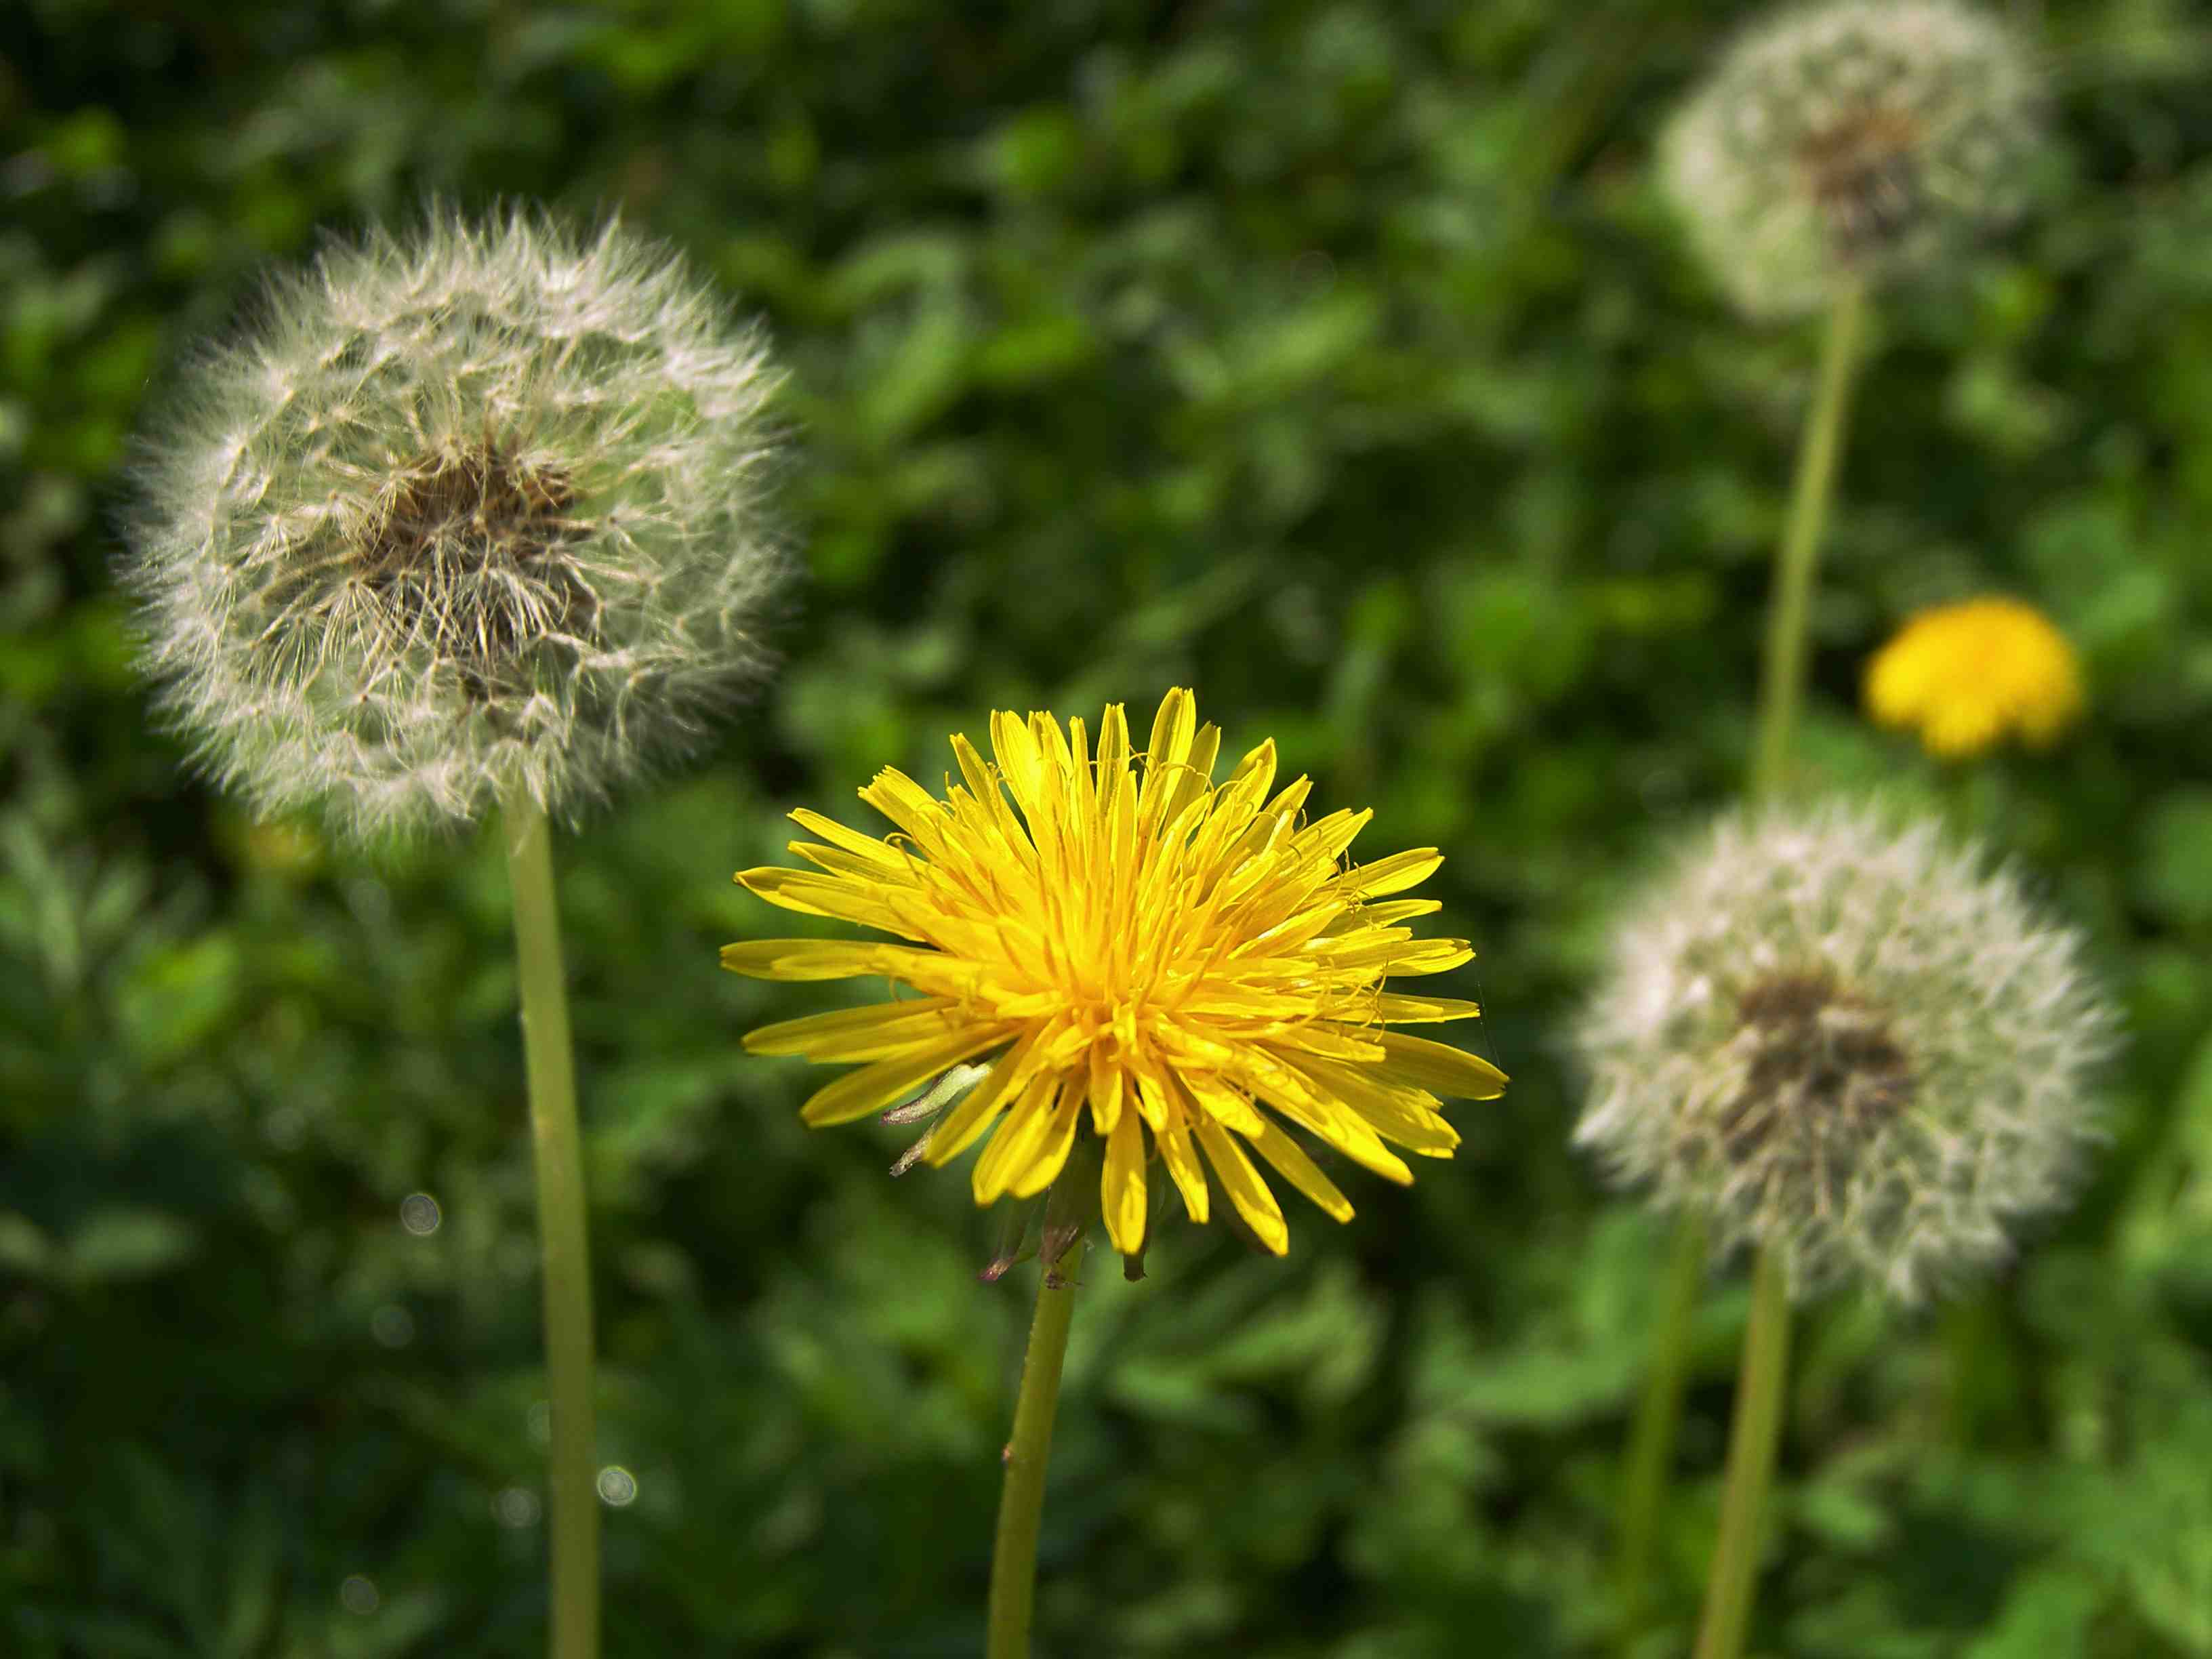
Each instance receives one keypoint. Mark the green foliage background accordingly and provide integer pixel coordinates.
(1336, 359)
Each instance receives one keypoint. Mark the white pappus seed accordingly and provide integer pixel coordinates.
(1859, 137)
(1839, 1036)
(471, 511)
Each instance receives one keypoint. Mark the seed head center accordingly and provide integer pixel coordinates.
(1825, 1075)
(1864, 174)
(467, 555)
(476, 505)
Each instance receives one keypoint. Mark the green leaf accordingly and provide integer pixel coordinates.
(114, 1245)
(2177, 857)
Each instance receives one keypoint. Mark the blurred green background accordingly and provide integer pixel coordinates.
(1336, 359)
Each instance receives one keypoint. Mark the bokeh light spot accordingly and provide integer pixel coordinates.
(420, 1214)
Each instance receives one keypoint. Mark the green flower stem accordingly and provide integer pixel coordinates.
(1781, 691)
(1021, 1505)
(1782, 684)
(1750, 1460)
(558, 1154)
(1651, 1444)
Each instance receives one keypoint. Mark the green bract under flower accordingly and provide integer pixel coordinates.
(1859, 139)
(1844, 1039)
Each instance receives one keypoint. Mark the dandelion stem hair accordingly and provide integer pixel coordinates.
(557, 1156)
(1782, 684)
(1650, 1456)
(1021, 1503)
(1754, 1431)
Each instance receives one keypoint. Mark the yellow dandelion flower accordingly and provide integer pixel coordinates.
(1124, 933)
(1968, 674)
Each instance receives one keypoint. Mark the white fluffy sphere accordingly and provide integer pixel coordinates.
(470, 514)
(1861, 138)
(1847, 1039)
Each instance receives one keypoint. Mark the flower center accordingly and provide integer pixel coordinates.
(1823, 1078)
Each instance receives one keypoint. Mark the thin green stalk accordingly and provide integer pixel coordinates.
(1651, 1444)
(558, 1154)
(1782, 679)
(1750, 1460)
(1021, 1504)
(1782, 683)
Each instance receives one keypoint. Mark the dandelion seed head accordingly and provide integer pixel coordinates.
(475, 511)
(1847, 1038)
(1863, 139)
